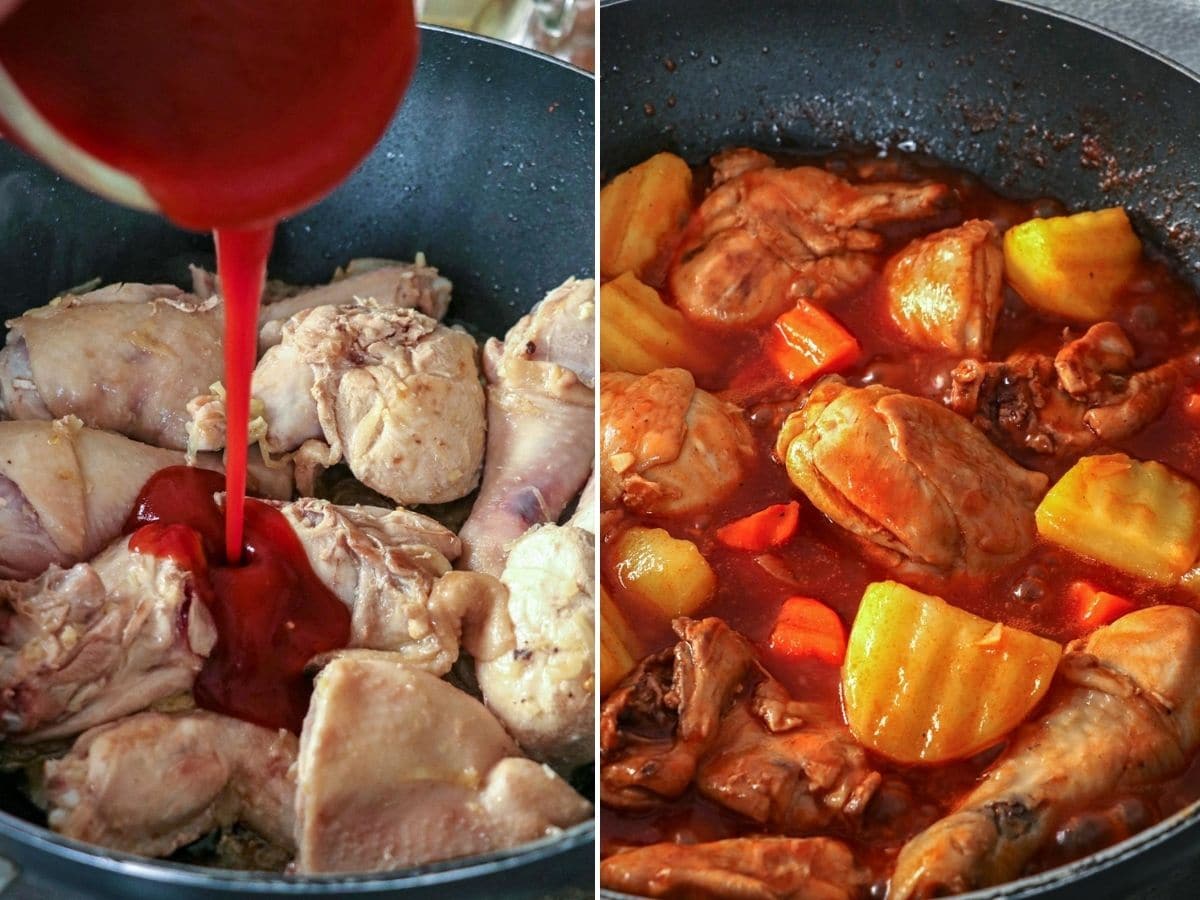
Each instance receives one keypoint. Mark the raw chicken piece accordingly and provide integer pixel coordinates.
(152, 783)
(666, 447)
(389, 284)
(944, 290)
(920, 487)
(541, 683)
(707, 713)
(89, 644)
(389, 390)
(66, 490)
(126, 358)
(750, 868)
(1049, 412)
(768, 236)
(399, 768)
(540, 422)
(1125, 713)
(587, 508)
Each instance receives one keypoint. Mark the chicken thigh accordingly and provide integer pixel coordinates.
(127, 358)
(1126, 713)
(667, 447)
(399, 768)
(766, 236)
(540, 423)
(921, 488)
(152, 783)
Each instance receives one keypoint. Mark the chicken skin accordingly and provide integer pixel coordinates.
(667, 447)
(1126, 713)
(922, 489)
(152, 782)
(766, 236)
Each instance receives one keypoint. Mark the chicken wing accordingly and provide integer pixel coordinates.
(540, 412)
(126, 358)
(920, 487)
(152, 783)
(766, 236)
(399, 768)
(1126, 713)
(667, 447)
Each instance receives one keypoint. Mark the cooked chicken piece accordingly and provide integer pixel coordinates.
(66, 490)
(707, 713)
(1049, 412)
(921, 488)
(86, 645)
(389, 390)
(1125, 713)
(667, 447)
(750, 868)
(126, 358)
(152, 783)
(540, 423)
(944, 290)
(399, 768)
(541, 683)
(389, 284)
(768, 236)
(587, 509)
(729, 164)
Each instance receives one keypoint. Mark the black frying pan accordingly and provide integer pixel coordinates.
(487, 168)
(1034, 103)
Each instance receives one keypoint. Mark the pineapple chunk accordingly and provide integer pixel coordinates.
(662, 572)
(925, 682)
(640, 210)
(1139, 517)
(618, 644)
(639, 333)
(1072, 266)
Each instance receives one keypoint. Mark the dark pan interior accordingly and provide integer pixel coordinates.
(489, 169)
(1035, 104)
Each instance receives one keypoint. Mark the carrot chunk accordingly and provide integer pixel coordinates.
(1094, 607)
(770, 527)
(807, 342)
(807, 628)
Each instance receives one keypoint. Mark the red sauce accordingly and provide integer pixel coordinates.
(272, 613)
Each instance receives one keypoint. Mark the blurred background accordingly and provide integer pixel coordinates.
(561, 28)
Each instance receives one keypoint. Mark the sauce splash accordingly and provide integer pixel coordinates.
(272, 613)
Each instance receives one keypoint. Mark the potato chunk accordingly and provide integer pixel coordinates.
(618, 644)
(640, 210)
(1072, 266)
(925, 682)
(1140, 517)
(639, 333)
(665, 573)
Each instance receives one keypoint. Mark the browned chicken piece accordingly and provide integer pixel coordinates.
(152, 783)
(768, 236)
(391, 391)
(66, 490)
(540, 423)
(126, 358)
(707, 713)
(1125, 713)
(944, 290)
(540, 681)
(922, 489)
(729, 164)
(667, 447)
(399, 768)
(86, 645)
(750, 868)
(1049, 412)
(389, 284)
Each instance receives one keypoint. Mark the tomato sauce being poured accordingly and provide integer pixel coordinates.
(271, 612)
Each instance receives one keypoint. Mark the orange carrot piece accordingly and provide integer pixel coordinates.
(807, 342)
(1094, 608)
(770, 527)
(807, 628)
